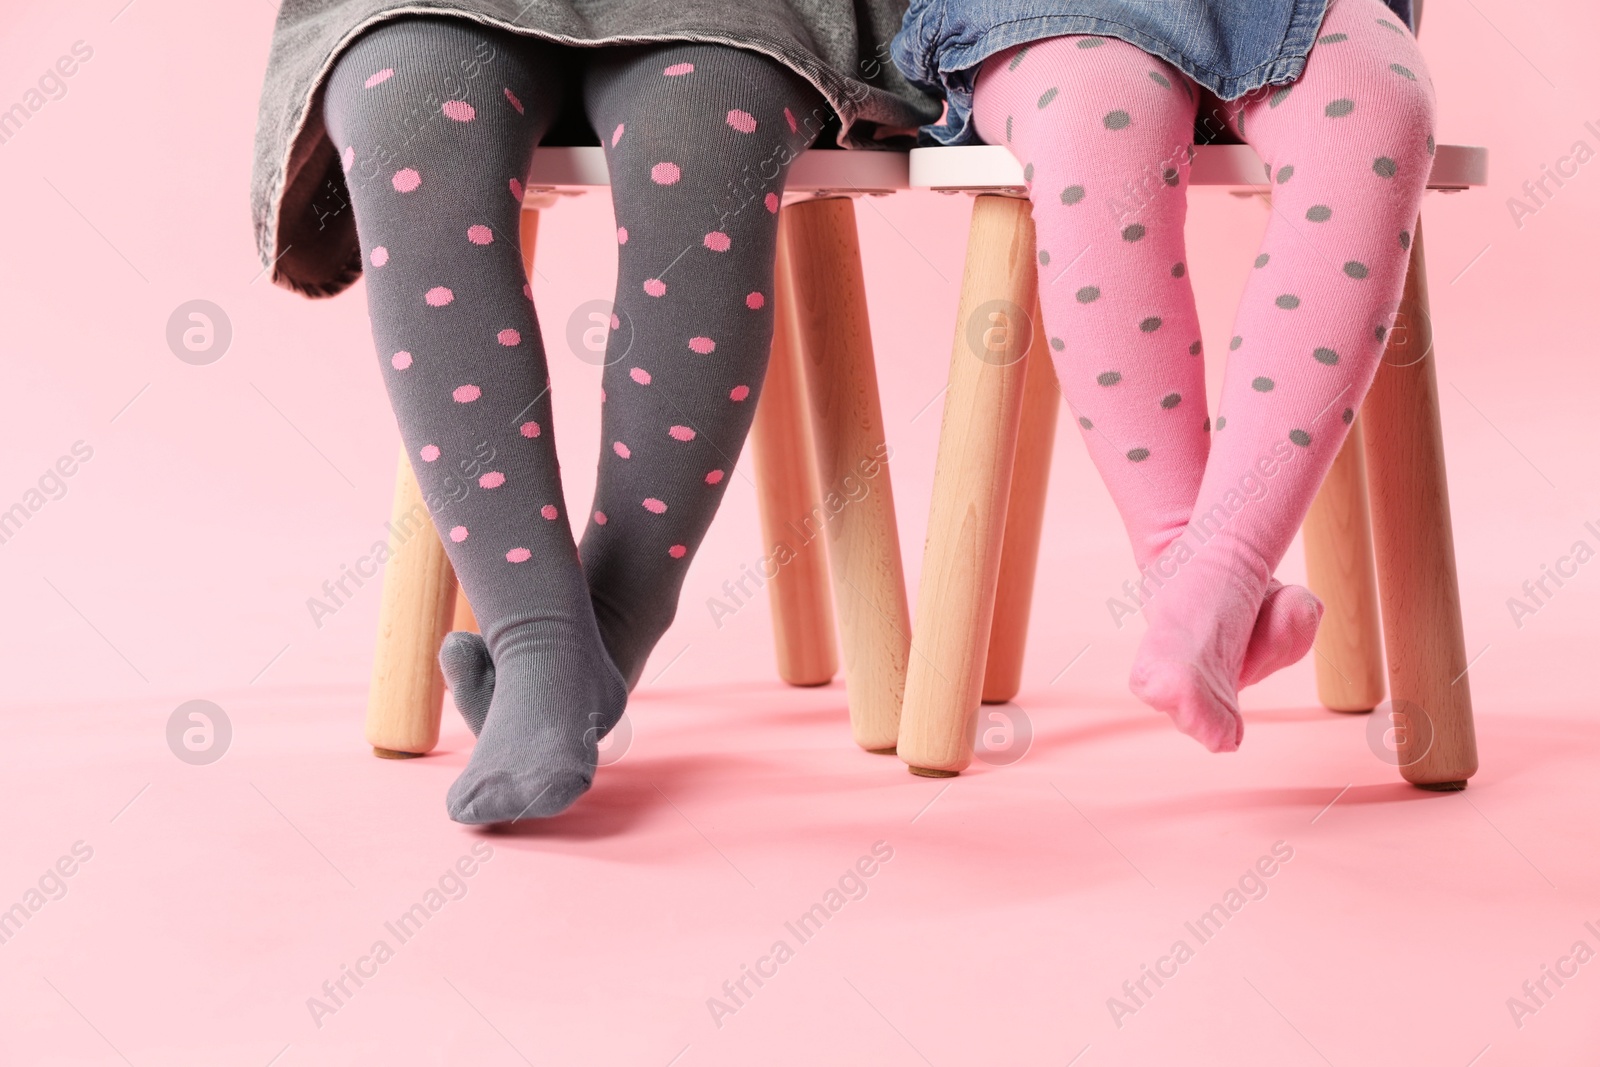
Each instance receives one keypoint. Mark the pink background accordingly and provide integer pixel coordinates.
(178, 563)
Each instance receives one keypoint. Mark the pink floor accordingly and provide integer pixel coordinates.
(208, 905)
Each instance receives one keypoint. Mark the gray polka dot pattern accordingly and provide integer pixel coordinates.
(1300, 437)
(1118, 120)
(1356, 270)
(1338, 109)
(1262, 384)
(1047, 96)
(1044, 258)
(1288, 301)
(1091, 42)
(1085, 423)
(1384, 167)
(1194, 349)
(1160, 79)
(1170, 401)
(1348, 416)
(1233, 345)
(1319, 213)
(1326, 356)
(1088, 294)
(1150, 324)
(1280, 96)
(1072, 194)
(1403, 71)
(1057, 343)
(1109, 377)
(1132, 232)
(1285, 173)
(1139, 455)
(1262, 260)
(1405, 239)
(1222, 421)
(1177, 270)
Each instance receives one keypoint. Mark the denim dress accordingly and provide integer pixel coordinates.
(839, 46)
(1229, 47)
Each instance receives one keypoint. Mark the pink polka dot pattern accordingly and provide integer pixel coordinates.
(616, 135)
(400, 360)
(600, 518)
(516, 189)
(677, 551)
(508, 337)
(772, 203)
(379, 78)
(681, 433)
(678, 70)
(438, 296)
(466, 394)
(655, 287)
(640, 375)
(527, 290)
(713, 477)
(429, 453)
(616, 324)
(518, 555)
(459, 110)
(718, 241)
(703, 345)
(654, 506)
(492, 480)
(531, 429)
(458, 534)
(742, 121)
(665, 173)
(349, 157)
(380, 256)
(738, 392)
(405, 180)
(622, 235)
(480, 235)
(788, 116)
(755, 301)
(512, 97)
(621, 449)
(549, 511)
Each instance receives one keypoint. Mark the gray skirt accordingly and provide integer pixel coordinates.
(840, 46)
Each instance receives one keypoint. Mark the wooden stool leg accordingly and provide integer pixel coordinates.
(419, 602)
(786, 487)
(1339, 569)
(819, 254)
(972, 481)
(463, 617)
(1416, 551)
(1019, 558)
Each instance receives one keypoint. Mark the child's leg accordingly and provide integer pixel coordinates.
(1105, 133)
(436, 121)
(1349, 146)
(698, 139)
